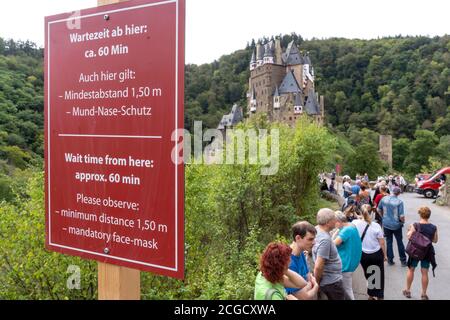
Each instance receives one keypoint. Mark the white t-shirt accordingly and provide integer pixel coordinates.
(370, 243)
(347, 186)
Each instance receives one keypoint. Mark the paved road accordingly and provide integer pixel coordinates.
(395, 276)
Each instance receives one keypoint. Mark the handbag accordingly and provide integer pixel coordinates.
(418, 245)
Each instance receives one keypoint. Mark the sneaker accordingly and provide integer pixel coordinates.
(391, 263)
(404, 264)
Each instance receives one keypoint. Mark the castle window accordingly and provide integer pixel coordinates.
(290, 118)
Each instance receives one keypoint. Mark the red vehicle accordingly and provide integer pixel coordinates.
(430, 187)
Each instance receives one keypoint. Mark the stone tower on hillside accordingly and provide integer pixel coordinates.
(386, 149)
(282, 84)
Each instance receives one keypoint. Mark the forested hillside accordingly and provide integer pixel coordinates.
(21, 113)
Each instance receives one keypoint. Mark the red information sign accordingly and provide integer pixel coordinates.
(114, 83)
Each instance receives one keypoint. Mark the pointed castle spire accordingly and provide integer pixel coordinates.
(253, 61)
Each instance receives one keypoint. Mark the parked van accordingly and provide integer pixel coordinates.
(430, 187)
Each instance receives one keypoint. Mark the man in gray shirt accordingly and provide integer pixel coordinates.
(328, 265)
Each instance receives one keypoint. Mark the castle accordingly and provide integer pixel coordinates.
(282, 84)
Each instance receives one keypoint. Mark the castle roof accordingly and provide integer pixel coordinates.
(268, 49)
(276, 93)
(253, 59)
(236, 114)
(260, 52)
(312, 105)
(292, 56)
(231, 119)
(289, 84)
(306, 59)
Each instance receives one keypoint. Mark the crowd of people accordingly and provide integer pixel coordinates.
(390, 181)
(321, 260)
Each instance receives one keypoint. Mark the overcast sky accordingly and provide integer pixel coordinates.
(218, 27)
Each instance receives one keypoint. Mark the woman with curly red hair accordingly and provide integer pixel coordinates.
(275, 274)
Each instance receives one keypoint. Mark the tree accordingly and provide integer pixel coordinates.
(420, 150)
(365, 160)
(442, 125)
(400, 150)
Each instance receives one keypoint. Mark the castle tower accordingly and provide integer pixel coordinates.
(278, 52)
(294, 61)
(276, 99)
(298, 104)
(259, 54)
(386, 149)
(308, 72)
(268, 53)
(312, 106)
(253, 61)
(322, 109)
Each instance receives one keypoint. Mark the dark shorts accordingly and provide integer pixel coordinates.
(334, 291)
(424, 264)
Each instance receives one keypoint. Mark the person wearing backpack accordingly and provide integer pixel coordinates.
(417, 252)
